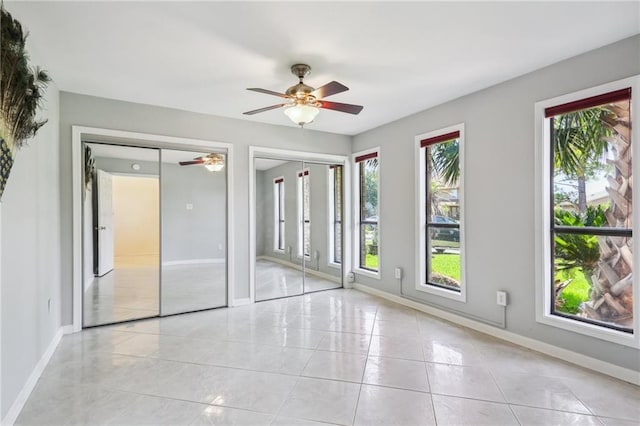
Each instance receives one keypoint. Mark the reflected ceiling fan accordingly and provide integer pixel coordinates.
(213, 162)
(303, 101)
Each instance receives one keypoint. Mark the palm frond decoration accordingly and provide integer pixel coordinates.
(21, 91)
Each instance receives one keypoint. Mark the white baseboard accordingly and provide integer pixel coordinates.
(299, 268)
(241, 302)
(67, 329)
(28, 387)
(194, 261)
(581, 360)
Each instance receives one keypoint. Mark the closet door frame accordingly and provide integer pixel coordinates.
(82, 134)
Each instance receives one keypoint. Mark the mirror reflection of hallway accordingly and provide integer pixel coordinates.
(298, 227)
(121, 248)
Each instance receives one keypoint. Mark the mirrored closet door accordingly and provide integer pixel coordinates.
(154, 232)
(323, 227)
(279, 260)
(194, 231)
(121, 223)
(299, 233)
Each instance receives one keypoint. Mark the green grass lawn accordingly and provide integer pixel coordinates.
(446, 264)
(371, 261)
(575, 293)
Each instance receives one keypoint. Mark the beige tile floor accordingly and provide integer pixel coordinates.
(334, 357)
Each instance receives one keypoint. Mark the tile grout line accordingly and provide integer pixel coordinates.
(355, 412)
(426, 372)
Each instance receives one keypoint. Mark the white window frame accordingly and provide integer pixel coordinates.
(356, 218)
(542, 218)
(421, 217)
(300, 209)
(331, 217)
(276, 218)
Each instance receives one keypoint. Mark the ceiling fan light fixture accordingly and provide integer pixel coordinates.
(216, 167)
(302, 114)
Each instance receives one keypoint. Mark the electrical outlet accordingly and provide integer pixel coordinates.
(398, 273)
(501, 298)
(351, 277)
(189, 206)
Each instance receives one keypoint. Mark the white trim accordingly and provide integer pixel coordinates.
(542, 219)
(143, 140)
(297, 267)
(356, 215)
(217, 260)
(241, 302)
(255, 151)
(31, 382)
(578, 359)
(366, 272)
(421, 231)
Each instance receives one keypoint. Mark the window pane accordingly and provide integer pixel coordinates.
(444, 257)
(443, 262)
(281, 236)
(592, 166)
(369, 246)
(593, 278)
(369, 189)
(336, 214)
(337, 242)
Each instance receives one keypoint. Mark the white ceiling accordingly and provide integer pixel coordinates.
(397, 58)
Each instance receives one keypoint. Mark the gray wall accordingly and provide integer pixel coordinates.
(499, 193)
(91, 111)
(30, 263)
(318, 193)
(199, 233)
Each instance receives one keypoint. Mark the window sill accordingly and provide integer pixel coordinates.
(367, 273)
(278, 251)
(443, 292)
(591, 330)
(334, 265)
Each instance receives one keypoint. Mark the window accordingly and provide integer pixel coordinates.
(304, 220)
(589, 221)
(367, 190)
(440, 236)
(278, 214)
(335, 215)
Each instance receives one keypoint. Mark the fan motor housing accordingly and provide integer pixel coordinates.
(300, 91)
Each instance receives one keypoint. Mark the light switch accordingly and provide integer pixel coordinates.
(189, 206)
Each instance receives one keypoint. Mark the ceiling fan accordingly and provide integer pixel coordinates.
(303, 101)
(213, 162)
